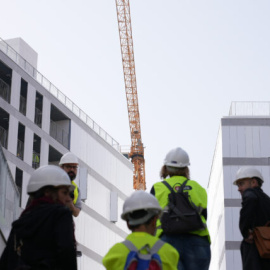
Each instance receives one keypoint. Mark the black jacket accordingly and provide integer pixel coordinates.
(43, 237)
(255, 210)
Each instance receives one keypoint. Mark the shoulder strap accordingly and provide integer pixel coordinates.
(130, 245)
(157, 246)
(167, 185)
(171, 189)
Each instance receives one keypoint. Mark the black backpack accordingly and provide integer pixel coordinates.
(181, 215)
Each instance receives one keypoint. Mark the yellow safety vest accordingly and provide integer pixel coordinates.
(197, 194)
(76, 192)
(117, 255)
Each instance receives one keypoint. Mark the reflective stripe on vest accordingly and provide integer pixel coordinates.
(76, 192)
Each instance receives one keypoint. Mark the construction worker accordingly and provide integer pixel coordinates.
(194, 246)
(141, 211)
(43, 236)
(255, 212)
(69, 163)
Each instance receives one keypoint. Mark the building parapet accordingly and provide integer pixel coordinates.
(250, 108)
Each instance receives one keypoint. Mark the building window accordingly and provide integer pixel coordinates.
(5, 81)
(23, 97)
(19, 181)
(4, 126)
(38, 109)
(20, 142)
(36, 152)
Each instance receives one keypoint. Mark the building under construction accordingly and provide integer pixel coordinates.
(38, 124)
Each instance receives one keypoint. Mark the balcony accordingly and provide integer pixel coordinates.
(59, 134)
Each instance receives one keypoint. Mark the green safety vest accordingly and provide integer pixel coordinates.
(76, 192)
(197, 194)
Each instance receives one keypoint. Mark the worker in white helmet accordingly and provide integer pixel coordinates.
(43, 236)
(69, 163)
(255, 212)
(141, 211)
(193, 246)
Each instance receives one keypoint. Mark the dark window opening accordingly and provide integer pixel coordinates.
(20, 142)
(19, 182)
(23, 97)
(38, 109)
(54, 156)
(36, 152)
(5, 81)
(4, 126)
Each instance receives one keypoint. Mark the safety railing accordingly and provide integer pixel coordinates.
(9, 197)
(18, 59)
(252, 108)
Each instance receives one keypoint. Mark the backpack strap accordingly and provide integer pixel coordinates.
(155, 248)
(171, 189)
(130, 245)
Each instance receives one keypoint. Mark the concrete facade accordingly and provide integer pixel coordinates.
(39, 121)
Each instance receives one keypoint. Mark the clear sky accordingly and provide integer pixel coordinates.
(193, 58)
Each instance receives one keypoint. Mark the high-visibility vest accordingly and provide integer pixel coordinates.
(196, 192)
(76, 192)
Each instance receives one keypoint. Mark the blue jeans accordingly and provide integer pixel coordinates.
(194, 251)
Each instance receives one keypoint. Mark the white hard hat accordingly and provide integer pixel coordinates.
(247, 172)
(177, 157)
(140, 200)
(68, 158)
(48, 175)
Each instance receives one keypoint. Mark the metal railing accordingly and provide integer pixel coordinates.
(59, 134)
(22, 105)
(250, 108)
(4, 91)
(9, 197)
(17, 58)
(3, 137)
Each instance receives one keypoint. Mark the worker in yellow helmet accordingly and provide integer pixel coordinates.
(69, 163)
(141, 211)
(194, 246)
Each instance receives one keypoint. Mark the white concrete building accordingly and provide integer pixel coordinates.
(38, 124)
(243, 140)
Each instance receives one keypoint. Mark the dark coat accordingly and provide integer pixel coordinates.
(44, 239)
(255, 212)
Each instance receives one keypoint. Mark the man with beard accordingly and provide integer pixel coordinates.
(69, 163)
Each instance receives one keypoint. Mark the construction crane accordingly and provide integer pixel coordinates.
(136, 150)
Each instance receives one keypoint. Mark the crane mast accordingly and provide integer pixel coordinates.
(137, 150)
